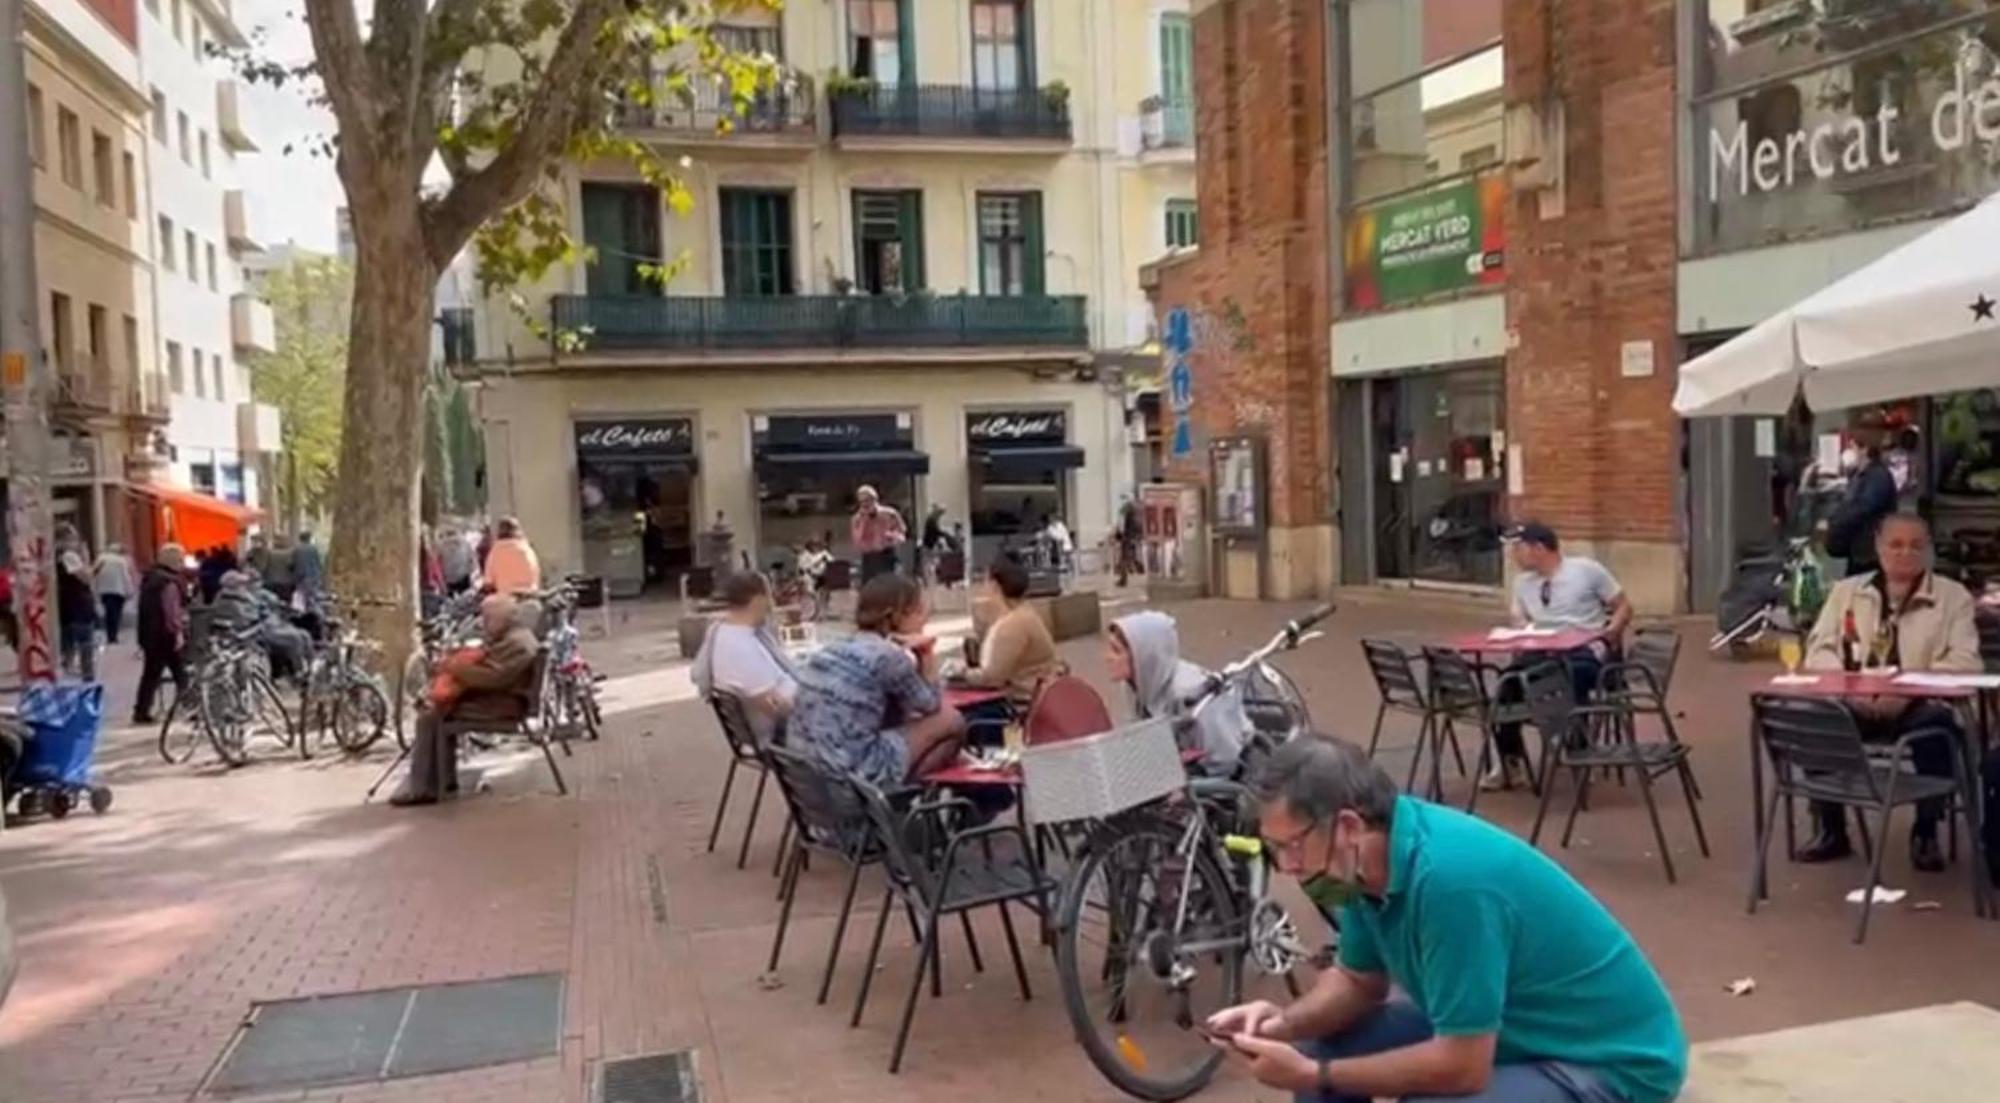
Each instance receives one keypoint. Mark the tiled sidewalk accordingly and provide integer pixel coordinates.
(147, 933)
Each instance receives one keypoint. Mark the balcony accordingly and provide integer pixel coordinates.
(1166, 128)
(782, 116)
(236, 222)
(630, 322)
(81, 392)
(259, 428)
(251, 325)
(950, 116)
(229, 117)
(155, 402)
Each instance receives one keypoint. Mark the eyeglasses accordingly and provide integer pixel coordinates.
(1294, 844)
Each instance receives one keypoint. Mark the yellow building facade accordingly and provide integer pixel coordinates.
(912, 267)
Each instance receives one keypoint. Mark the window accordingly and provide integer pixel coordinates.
(187, 142)
(1183, 224)
(96, 322)
(888, 240)
(176, 378)
(179, 34)
(194, 266)
(621, 223)
(131, 182)
(206, 174)
(38, 135)
(878, 47)
(210, 250)
(738, 39)
(194, 36)
(69, 146)
(200, 375)
(756, 241)
(165, 246)
(131, 348)
(219, 395)
(1479, 157)
(1176, 59)
(999, 46)
(1010, 244)
(103, 167)
(159, 116)
(62, 331)
(1426, 83)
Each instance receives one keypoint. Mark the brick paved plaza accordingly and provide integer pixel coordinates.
(147, 933)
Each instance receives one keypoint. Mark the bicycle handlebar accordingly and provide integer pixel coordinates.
(1287, 638)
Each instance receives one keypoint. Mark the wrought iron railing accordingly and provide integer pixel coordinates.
(609, 322)
(950, 111)
(786, 108)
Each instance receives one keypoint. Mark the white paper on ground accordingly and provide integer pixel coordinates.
(1742, 987)
(1883, 895)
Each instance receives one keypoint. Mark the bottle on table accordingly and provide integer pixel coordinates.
(1850, 644)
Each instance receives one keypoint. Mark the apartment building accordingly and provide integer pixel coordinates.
(86, 106)
(918, 274)
(221, 442)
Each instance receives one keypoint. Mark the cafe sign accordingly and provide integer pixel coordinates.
(1441, 240)
(1849, 144)
(650, 437)
(832, 432)
(1002, 429)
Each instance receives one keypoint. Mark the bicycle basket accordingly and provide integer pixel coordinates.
(1099, 776)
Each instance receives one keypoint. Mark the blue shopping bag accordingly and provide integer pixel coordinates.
(65, 720)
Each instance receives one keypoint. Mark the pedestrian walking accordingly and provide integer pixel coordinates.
(877, 531)
(76, 614)
(162, 628)
(308, 571)
(1131, 529)
(113, 575)
(512, 567)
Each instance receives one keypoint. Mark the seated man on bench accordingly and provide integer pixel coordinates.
(490, 683)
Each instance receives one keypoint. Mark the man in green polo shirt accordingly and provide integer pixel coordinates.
(1513, 984)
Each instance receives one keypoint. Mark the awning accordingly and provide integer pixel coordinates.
(1924, 319)
(1034, 460)
(673, 464)
(195, 520)
(888, 462)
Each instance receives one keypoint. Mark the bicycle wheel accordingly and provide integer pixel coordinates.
(269, 716)
(589, 707)
(1136, 994)
(180, 731)
(224, 716)
(360, 714)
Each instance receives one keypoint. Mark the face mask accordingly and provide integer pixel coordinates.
(1329, 892)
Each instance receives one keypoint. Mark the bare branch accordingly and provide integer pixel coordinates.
(566, 88)
(340, 50)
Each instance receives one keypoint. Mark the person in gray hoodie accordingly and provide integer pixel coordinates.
(1144, 652)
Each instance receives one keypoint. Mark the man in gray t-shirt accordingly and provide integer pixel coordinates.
(1554, 590)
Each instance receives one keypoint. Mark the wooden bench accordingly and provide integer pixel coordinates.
(1946, 1053)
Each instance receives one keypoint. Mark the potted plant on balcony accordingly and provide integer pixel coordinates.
(1056, 94)
(841, 85)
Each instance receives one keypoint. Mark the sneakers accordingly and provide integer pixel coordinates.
(1504, 774)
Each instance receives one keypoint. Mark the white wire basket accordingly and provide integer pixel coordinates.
(1101, 775)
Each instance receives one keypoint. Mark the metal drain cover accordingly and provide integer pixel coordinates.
(653, 1078)
(359, 1037)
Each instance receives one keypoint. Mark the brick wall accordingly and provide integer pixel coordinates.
(1257, 288)
(1601, 452)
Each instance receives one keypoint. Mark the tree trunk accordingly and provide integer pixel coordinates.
(374, 559)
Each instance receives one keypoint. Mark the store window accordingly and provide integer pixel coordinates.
(881, 46)
(1425, 200)
(636, 500)
(756, 241)
(1010, 244)
(1820, 118)
(1183, 224)
(811, 466)
(1019, 462)
(889, 241)
(621, 224)
(1000, 52)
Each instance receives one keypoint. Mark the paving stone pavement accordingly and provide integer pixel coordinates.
(146, 934)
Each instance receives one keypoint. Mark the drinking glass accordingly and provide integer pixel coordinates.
(1790, 652)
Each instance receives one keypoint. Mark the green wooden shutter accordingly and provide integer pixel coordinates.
(604, 230)
(910, 228)
(1034, 276)
(1176, 59)
(906, 46)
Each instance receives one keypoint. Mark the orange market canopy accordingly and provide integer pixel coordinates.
(195, 520)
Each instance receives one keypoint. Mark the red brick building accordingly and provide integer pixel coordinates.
(1455, 250)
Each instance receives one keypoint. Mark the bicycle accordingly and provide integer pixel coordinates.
(235, 699)
(1181, 889)
(569, 695)
(340, 698)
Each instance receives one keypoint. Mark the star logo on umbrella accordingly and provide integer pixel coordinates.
(1982, 309)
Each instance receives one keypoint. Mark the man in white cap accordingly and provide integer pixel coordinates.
(877, 530)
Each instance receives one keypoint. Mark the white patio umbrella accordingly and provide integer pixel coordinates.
(1924, 319)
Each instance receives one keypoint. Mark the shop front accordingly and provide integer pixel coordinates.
(1019, 465)
(1427, 452)
(636, 499)
(809, 468)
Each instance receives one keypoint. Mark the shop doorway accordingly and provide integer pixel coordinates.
(810, 469)
(636, 501)
(1019, 478)
(1439, 475)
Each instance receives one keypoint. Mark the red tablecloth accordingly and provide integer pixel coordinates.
(1482, 643)
(1841, 684)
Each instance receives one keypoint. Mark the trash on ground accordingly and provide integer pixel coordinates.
(1741, 987)
(1883, 895)
(770, 982)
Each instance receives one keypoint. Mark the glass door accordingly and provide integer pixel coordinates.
(1441, 478)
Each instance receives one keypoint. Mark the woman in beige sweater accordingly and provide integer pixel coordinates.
(1018, 651)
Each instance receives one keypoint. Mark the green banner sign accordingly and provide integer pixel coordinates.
(1441, 240)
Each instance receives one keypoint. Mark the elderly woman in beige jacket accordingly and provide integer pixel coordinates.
(1913, 620)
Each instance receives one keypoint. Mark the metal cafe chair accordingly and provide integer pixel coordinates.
(745, 753)
(1816, 752)
(1458, 696)
(1402, 692)
(828, 818)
